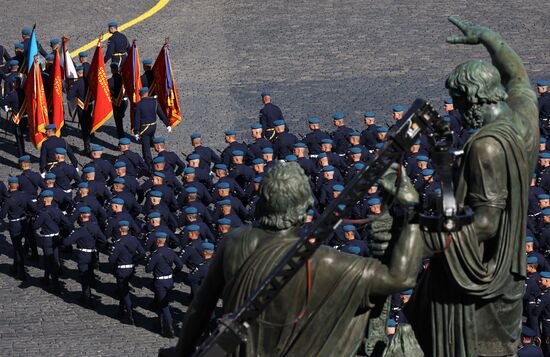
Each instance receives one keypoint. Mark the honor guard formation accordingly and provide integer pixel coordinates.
(169, 211)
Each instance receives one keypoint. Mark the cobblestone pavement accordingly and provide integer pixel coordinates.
(316, 57)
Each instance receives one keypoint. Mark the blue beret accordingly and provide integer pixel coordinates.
(88, 169)
(124, 141)
(448, 101)
(193, 157)
(427, 172)
(314, 120)
(207, 246)
(310, 212)
(153, 214)
(26, 31)
(546, 211)
(265, 93)
(256, 126)
(418, 142)
(159, 174)
(258, 161)
(542, 140)
(341, 207)
(80, 68)
(351, 249)
(369, 114)
(543, 196)
(406, 292)
(191, 189)
(220, 167)
(223, 185)
(299, 145)
(50, 176)
(119, 180)
(328, 168)
(322, 155)
(117, 201)
(123, 223)
(83, 185)
(349, 228)
(422, 158)
(46, 193)
(49, 57)
(113, 24)
(13, 63)
(355, 150)
(224, 221)
(143, 90)
(19, 46)
(291, 158)
(189, 170)
(326, 141)
(224, 202)
(338, 116)
(97, 148)
(83, 54)
(542, 83)
(148, 62)
(25, 158)
(84, 210)
(158, 140)
(529, 239)
(258, 179)
(238, 153)
(61, 151)
(338, 188)
(50, 127)
(156, 194)
(379, 145)
(544, 155)
(446, 119)
(158, 160)
(230, 132)
(545, 274)
(528, 332)
(267, 151)
(191, 210)
(532, 260)
(355, 133)
(55, 41)
(392, 323)
(278, 122)
(398, 108)
(374, 201)
(161, 235)
(13, 179)
(193, 228)
(120, 164)
(382, 129)
(196, 135)
(359, 166)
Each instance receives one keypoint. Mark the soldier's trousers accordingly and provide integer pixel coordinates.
(118, 115)
(19, 139)
(123, 286)
(50, 246)
(30, 242)
(162, 297)
(86, 273)
(146, 142)
(17, 231)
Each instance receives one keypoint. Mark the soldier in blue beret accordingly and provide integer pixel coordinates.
(268, 115)
(117, 45)
(19, 209)
(531, 246)
(84, 63)
(61, 198)
(532, 288)
(135, 166)
(66, 175)
(353, 240)
(47, 150)
(126, 250)
(190, 179)
(540, 315)
(170, 179)
(333, 158)
(118, 98)
(191, 199)
(119, 213)
(191, 246)
(224, 194)
(268, 156)
(329, 176)
(130, 202)
(12, 75)
(454, 114)
(171, 159)
(197, 275)
(155, 202)
(528, 348)
(240, 172)
(398, 111)
(232, 145)
(191, 216)
(207, 155)
(224, 209)
(147, 76)
(314, 137)
(13, 98)
(340, 134)
(97, 187)
(26, 37)
(29, 181)
(284, 141)
(307, 164)
(368, 135)
(155, 224)
(83, 197)
(255, 148)
(222, 173)
(223, 226)
(544, 105)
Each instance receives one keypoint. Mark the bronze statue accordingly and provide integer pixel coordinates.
(469, 300)
(323, 310)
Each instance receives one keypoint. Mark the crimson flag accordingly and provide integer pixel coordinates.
(56, 95)
(165, 88)
(36, 105)
(131, 78)
(98, 91)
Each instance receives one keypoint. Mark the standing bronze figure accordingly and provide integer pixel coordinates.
(469, 302)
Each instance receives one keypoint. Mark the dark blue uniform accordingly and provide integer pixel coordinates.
(87, 237)
(160, 265)
(145, 124)
(369, 136)
(255, 148)
(208, 156)
(30, 182)
(104, 170)
(172, 162)
(119, 104)
(135, 166)
(78, 93)
(363, 246)
(171, 239)
(268, 115)
(197, 275)
(227, 153)
(111, 231)
(65, 175)
(47, 152)
(313, 141)
(544, 105)
(98, 212)
(340, 137)
(14, 99)
(117, 48)
(283, 144)
(191, 251)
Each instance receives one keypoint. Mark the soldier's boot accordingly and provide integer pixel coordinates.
(21, 273)
(131, 317)
(166, 329)
(120, 314)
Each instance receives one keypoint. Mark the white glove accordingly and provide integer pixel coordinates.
(77, 170)
(137, 137)
(169, 129)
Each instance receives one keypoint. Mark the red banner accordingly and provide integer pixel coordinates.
(165, 87)
(56, 95)
(36, 105)
(98, 91)
(131, 77)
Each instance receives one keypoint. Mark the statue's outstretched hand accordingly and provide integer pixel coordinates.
(472, 34)
(396, 183)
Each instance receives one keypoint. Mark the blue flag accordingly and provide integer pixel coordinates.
(32, 51)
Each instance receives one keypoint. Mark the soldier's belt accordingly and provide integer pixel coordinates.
(546, 320)
(145, 127)
(127, 266)
(18, 219)
(165, 277)
(85, 250)
(313, 156)
(120, 54)
(48, 235)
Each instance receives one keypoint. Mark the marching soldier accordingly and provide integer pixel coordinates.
(78, 93)
(340, 135)
(118, 98)
(147, 76)
(197, 275)
(14, 100)
(117, 45)
(171, 160)
(268, 115)
(83, 58)
(29, 181)
(207, 155)
(47, 150)
(255, 148)
(135, 166)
